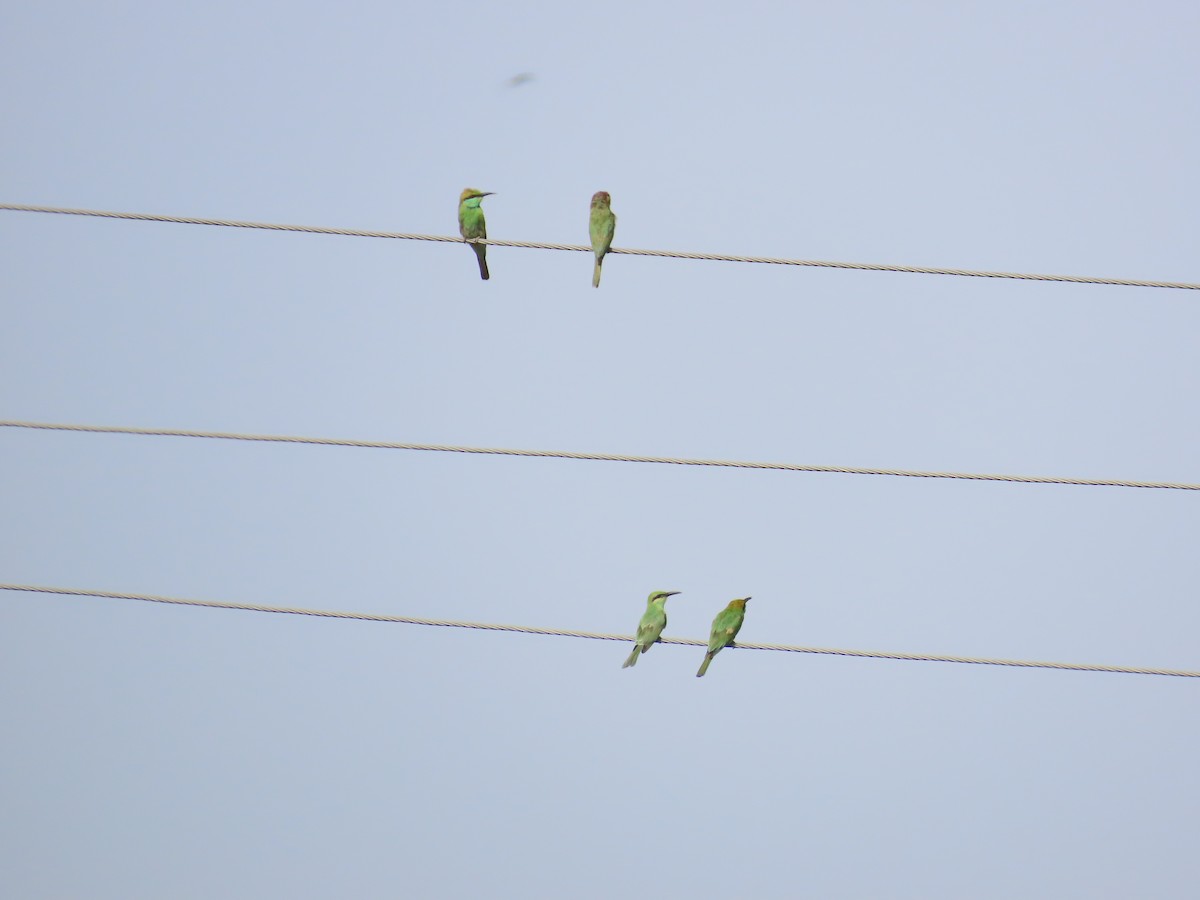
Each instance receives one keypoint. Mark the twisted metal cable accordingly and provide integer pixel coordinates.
(539, 245)
(602, 457)
(599, 636)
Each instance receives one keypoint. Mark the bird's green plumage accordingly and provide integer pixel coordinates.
(471, 224)
(724, 629)
(650, 628)
(602, 225)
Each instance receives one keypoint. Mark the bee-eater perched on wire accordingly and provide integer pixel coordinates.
(724, 629)
(651, 627)
(602, 225)
(471, 224)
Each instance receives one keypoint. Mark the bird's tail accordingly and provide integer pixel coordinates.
(632, 661)
(708, 657)
(481, 252)
(596, 272)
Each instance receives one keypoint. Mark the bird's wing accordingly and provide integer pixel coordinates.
(651, 626)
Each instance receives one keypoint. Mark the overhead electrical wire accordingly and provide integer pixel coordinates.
(598, 456)
(598, 636)
(601, 457)
(538, 245)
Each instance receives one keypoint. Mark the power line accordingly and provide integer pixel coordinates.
(598, 636)
(538, 245)
(601, 457)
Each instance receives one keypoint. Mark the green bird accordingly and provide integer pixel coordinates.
(602, 225)
(724, 629)
(471, 224)
(651, 627)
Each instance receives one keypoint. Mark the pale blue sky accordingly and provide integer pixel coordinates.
(174, 752)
